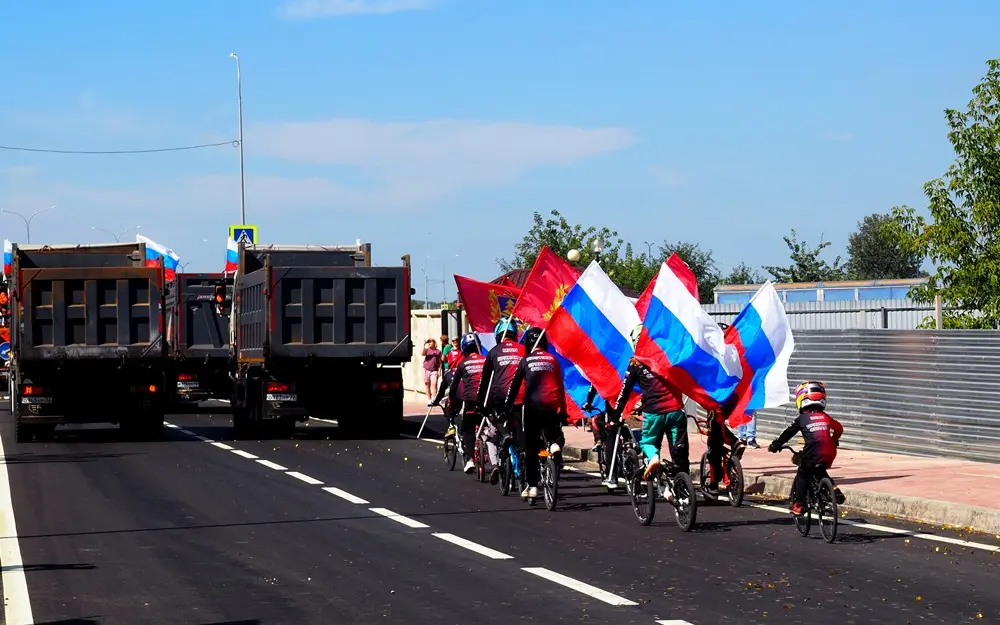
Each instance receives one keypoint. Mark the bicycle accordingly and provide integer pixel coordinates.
(511, 466)
(732, 467)
(551, 467)
(620, 464)
(667, 479)
(820, 499)
(481, 451)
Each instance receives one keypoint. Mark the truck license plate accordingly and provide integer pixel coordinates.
(282, 397)
(187, 385)
(36, 400)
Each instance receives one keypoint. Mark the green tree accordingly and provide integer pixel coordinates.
(877, 251)
(743, 274)
(562, 236)
(806, 265)
(701, 263)
(961, 237)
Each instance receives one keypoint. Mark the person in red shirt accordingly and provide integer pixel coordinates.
(452, 360)
(821, 434)
(467, 376)
(498, 371)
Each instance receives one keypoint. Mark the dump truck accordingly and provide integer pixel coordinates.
(317, 331)
(86, 338)
(198, 338)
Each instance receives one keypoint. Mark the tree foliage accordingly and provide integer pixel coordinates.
(701, 263)
(742, 274)
(806, 265)
(878, 251)
(962, 237)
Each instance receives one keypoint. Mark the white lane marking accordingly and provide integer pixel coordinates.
(203, 439)
(222, 446)
(16, 602)
(471, 546)
(674, 622)
(333, 421)
(343, 494)
(272, 465)
(305, 478)
(399, 518)
(244, 454)
(436, 441)
(894, 530)
(587, 589)
(172, 425)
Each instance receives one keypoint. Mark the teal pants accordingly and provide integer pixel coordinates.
(674, 425)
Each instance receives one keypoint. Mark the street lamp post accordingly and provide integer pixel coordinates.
(117, 237)
(27, 220)
(649, 251)
(597, 246)
(239, 102)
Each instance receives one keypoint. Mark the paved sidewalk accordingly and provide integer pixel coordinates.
(930, 490)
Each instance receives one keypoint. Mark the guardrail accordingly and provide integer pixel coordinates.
(924, 393)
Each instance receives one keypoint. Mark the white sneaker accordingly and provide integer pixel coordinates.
(554, 448)
(532, 493)
(609, 484)
(470, 466)
(524, 493)
(430, 403)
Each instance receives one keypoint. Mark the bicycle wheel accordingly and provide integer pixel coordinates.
(706, 476)
(827, 510)
(550, 482)
(804, 521)
(481, 459)
(506, 474)
(685, 501)
(736, 484)
(643, 494)
(450, 453)
(629, 461)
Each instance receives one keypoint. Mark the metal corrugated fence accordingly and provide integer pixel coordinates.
(925, 393)
(893, 314)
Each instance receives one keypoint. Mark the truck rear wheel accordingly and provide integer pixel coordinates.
(22, 433)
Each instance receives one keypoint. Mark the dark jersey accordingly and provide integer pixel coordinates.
(820, 432)
(468, 375)
(658, 396)
(501, 363)
(540, 377)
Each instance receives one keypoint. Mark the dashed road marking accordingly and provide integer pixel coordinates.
(343, 494)
(471, 546)
(305, 478)
(581, 587)
(398, 518)
(271, 465)
(172, 426)
(222, 446)
(244, 454)
(674, 622)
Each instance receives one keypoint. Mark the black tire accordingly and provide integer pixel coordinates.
(685, 501)
(481, 464)
(804, 521)
(450, 453)
(828, 510)
(736, 484)
(706, 471)
(550, 482)
(506, 474)
(643, 494)
(630, 464)
(22, 432)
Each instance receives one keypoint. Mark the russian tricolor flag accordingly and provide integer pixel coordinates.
(8, 257)
(155, 253)
(763, 339)
(591, 328)
(232, 255)
(681, 342)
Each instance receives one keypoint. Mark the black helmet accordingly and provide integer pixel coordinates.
(535, 337)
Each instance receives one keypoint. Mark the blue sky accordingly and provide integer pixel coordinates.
(435, 128)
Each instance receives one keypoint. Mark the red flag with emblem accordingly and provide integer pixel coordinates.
(549, 281)
(484, 302)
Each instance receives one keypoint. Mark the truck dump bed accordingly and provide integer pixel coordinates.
(86, 302)
(321, 302)
(195, 329)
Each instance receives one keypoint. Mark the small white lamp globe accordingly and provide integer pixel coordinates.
(573, 256)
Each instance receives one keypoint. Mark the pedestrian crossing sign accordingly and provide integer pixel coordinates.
(243, 232)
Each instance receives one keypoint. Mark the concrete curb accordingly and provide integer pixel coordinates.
(888, 505)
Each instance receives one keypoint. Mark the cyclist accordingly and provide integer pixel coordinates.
(663, 413)
(467, 375)
(601, 424)
(498, 371)
(821, 434)
(719, 436)
(543, 405)
(453, 359)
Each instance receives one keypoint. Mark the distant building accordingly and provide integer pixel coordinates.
(836, 291)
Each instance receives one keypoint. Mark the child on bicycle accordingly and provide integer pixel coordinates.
(719, 437)
(662, 410)
(543, 408)
(821, 434)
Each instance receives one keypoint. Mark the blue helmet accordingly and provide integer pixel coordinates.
(507, 326)
(469, 344)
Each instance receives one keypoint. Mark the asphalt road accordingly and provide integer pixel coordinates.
(218, 531)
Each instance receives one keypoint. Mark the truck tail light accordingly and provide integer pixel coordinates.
(185, 377)
(31, 390)
(277, 387)
(383, 387)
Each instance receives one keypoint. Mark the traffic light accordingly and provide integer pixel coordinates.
(220, 299)
(4, 305)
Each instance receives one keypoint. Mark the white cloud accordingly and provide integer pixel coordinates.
(666, 176)
(317, 9)
(20, 171)
(423, 161)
